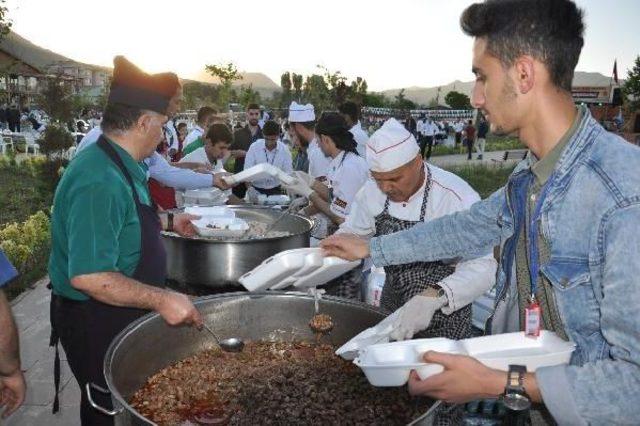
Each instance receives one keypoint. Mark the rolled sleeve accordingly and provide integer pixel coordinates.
(95, 219)
(471, 279)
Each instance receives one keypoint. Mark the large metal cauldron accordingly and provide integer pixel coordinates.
(148, 345)
(217, 263)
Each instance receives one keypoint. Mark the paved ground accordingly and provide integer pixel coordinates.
(31, 311)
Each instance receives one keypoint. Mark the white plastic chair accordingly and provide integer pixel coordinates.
(31, 144)
(6, 142)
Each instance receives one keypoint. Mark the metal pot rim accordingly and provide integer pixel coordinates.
(309, 221)
(115, 393)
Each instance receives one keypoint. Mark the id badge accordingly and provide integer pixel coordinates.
(532, 319)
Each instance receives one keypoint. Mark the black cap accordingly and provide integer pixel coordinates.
(134, 87)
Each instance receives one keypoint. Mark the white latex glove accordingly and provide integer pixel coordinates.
(415, 316)
(298, 204)
(299, 187)
(305, 177)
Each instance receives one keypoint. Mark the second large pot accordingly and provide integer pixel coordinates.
(217, 264)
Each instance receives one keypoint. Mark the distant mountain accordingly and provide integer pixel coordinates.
(36, 56)
(423, 95)
(260, 82)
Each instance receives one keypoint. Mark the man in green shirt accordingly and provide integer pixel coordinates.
(107, 264)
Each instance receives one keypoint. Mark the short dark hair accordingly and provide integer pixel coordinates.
(253, 106)
(182, 124)
(335, 126)
(219, 132)
(204, 112)
(551, 31)
(309, 125)
(119, 117)
(271, 128)
(351, 109)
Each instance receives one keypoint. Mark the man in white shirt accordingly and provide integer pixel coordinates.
(215, 149)
(458, 127)
(331, 203)
(269, 150)
(206, 116)
(431, 297)
(302, 121)
(351, 113)
(405, 190)
(429, 131)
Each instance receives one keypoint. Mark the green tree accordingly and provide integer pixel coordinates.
(296, 79)
(401, 101)
(316, 92)
(375, 100)
(5, 22)
(457, 100)
(631, 88)
(56, 100)
(248, 95)
(227, 74)
(197, 94)
(285, 83)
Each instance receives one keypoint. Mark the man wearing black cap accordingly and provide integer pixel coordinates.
(107, 264)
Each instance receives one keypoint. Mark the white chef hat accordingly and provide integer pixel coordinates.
(301, 113)
(390, 147)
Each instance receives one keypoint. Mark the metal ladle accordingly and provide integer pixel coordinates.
(232, 344)
(277, 219)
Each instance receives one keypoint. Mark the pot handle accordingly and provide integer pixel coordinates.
(96, 406)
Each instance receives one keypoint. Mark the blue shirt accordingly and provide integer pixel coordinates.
(7, 271)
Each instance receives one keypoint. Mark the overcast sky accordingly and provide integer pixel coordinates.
(391, 43)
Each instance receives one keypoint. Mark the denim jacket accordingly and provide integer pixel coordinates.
(591, 219)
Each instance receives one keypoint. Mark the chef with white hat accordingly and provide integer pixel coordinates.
(405, 190)
(433, 298)
(302, 120)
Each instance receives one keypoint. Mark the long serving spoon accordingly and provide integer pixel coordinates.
(232, 344)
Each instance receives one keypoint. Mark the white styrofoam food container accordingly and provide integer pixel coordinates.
(305, 267)
(222, 226)
(500, 350)
(390, 364)
(202, 197)
(276, 200)
(332, 267)
(257, 172)
(220, 211)
(281, 269)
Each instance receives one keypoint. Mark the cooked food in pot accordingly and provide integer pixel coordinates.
(271, 383)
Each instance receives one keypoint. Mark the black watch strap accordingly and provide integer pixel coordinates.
(170, 222)
(515, 377)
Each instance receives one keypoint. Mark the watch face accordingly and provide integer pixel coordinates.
(516, 402)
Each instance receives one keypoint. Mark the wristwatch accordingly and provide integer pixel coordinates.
(515, 398)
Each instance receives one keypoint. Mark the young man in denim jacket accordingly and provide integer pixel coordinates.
(573, 208)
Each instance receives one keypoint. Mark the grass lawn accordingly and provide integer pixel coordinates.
(494, 143)
(484, 179)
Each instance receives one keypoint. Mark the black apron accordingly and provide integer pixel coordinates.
(402, 282)
(87, 328)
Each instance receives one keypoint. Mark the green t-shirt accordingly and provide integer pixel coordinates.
(198, 143)
(95, 225)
